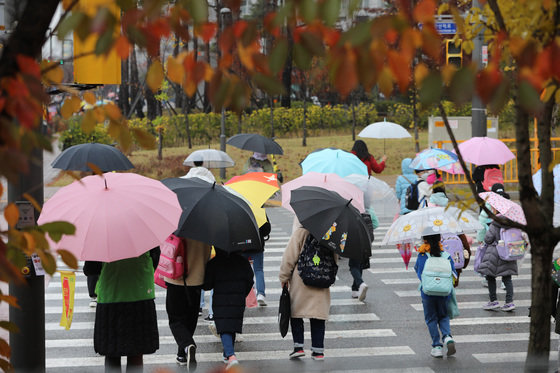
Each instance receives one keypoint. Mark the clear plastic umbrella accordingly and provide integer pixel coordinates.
(377, 195)
(211, 158)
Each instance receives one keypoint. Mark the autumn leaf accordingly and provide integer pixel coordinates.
(122, 47)
(5, 347)
(385, 82)
(175, 69)
(30, 198)
(89, 98)
(28, 65)
(11, 214)
(53, 74)
(154, 77)
(424, 11)
(112, 111)
(420, 72)
(75, 103)
(68, 258)
(207, 31)
(47, 261)
(144, 138)
(94, 168)
(400, 67)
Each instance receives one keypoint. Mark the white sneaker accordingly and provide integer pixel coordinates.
(355, 294)
(213, 329)
(239, 337)
(450, 343)
(362, 290)
(261, 300)
(437, 352)
(93, 303)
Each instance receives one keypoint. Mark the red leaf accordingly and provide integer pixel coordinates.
(331, 36)
(487, 81)
(346, 76)
(122, 47)
(207, 31)
(271, 25)
(400, 67)
(391, 36)
(160, 28)
(239, 28)
(28, 65)
(555, 57)
(15, 87)
(424, 11)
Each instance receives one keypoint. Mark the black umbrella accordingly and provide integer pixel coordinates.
(214, 215)
(256, 143)
(332, 220)
(106, 157)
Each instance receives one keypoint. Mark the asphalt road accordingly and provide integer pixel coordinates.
(386, 333)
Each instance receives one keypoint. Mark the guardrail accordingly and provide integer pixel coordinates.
(510, 168)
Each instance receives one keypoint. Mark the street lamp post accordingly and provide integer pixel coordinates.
(225, 14)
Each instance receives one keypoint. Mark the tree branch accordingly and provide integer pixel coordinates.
(498, 14)
(62, 17)
(546, 202)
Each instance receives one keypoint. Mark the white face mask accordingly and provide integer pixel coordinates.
(424, 175)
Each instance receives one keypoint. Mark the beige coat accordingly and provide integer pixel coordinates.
(198, 254)
(306, 301)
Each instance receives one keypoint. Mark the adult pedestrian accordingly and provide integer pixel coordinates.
(258, 162)
(256, 259)
(231, 278)
(435, 307)
(125, 318)
(407, 178)
(92, 269)
(182, 300)
(306, 301)
(356, 266)
(360, 150)
(201, 172)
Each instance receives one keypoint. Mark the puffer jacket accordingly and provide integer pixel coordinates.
(438, 199)
(403, 182)
(492, 264)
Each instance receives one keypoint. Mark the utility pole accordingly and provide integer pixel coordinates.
(226, 20)
(478, 108)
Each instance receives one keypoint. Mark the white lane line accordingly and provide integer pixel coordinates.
(490, 320)
(361, 317)
(247, 337)
(508, 357)
(415, 293)
(505, 337)
(403, 281)
(476, 305)
(243, 356)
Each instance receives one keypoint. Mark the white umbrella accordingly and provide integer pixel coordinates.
(537, 182)
(211, 158)
(384, 130)
(377, 194)
(430, 220)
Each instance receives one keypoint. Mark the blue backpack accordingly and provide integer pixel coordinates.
(437, 276)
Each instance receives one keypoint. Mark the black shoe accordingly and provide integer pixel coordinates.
(298, 352)
(191, 351)
(209, 318)
(182, 360)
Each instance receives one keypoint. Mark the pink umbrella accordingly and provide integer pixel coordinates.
(405, 249)
(327, 181)
(485, 150)
(507, 208)
(117, 216)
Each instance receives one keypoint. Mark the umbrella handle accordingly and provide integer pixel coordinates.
(349, 201)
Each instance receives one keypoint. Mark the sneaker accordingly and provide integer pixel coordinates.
(484, 282)
(503, 286)
(319, 356)
(508, 307)
(213, 330)
(491, 306)
(93, 303)
(239, 337)
(362, 290)
(261, 300)
(232, 361)
(182, 360)
(209, 318)
(298, 352)
(450, 343)
(200, 311)
(191, 351)
(437, 351)
(355, 294)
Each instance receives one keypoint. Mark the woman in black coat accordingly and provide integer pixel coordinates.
(231, 277)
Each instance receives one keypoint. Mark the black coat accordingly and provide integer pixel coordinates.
(231, 277)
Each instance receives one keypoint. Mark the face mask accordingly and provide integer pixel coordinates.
(431, 178)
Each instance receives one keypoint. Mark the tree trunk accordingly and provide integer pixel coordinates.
(177, 87)
(160, 144)
(271, 117)
(124, 96)
(286, 100)
(206, 104)
(135, 90)
(151, 102)
(304, 125)
(353, 119)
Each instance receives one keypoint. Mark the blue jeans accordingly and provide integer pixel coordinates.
(258, 268)
(209, 302)
(435, 314)
(317, 333)
(228, 341)
(356, 272)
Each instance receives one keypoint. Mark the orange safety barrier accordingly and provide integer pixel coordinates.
(510, 168)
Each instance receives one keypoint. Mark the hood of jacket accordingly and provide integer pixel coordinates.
(405, 168)
(439, 199)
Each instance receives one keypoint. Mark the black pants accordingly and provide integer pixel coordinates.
(91, 283)
(182, 305)
(133, 363)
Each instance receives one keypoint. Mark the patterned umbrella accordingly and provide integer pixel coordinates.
(433, 158)
(507, 208)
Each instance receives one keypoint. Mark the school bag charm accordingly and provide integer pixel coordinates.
(316, 264)
(556, 271)
(512, 245)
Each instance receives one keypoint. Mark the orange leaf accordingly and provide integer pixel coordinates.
(239, 28)
(10, 299)
(66, 109)
(76, 103)
(66, 4)
(391, 36)
(54, 74)
(112, 111)
(400, 67)
(28, 65)
(33, 201)
(207, 31)
(154, 78)
(89, 98)
(11, 214)
(346, 75)
(190, 87)
(487, 81)
(385, 82)
(122, 47)
(447, 73)
(424, 11)
(175, 69)
(15, 87)
(30, 241)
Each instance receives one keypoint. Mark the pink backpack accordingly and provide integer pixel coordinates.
(492, 176)
(172, 262)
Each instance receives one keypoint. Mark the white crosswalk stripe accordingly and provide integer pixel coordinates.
(359, 331)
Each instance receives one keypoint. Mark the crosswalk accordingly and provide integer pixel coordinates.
(387, 331)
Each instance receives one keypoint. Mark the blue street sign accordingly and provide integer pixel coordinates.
(446, 28)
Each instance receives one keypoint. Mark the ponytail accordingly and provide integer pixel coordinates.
(434, 241)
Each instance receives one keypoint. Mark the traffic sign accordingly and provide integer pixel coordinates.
(446, 28)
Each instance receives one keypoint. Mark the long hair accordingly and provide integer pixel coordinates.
(434, 241)
(361, 149)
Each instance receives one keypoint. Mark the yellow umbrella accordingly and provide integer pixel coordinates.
(257, 188)
(258, 212)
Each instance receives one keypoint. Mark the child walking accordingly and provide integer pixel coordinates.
(435, 307)
(231, 277)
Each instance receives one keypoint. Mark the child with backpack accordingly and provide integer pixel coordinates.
(307, 301)
(231, 277)
(435, 269)
(403, 182)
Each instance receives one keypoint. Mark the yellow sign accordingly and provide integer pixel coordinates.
(68, 279)
(439, 123)
(488, 123)
(93, 69)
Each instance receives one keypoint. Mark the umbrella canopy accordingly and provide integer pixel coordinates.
(332, 220)
(433, 158)
(452, 168)
(117, 216)
(405, 249)
(327, 181)
(377, 195)
(384, 130)
(333, 161)
(213, 215)
(106, 157)
(506, 207)
(537, 182)
(210, 158)
(430, 220)
(256, 143)
(485, 150)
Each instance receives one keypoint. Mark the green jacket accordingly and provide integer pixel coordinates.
(127, 280)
